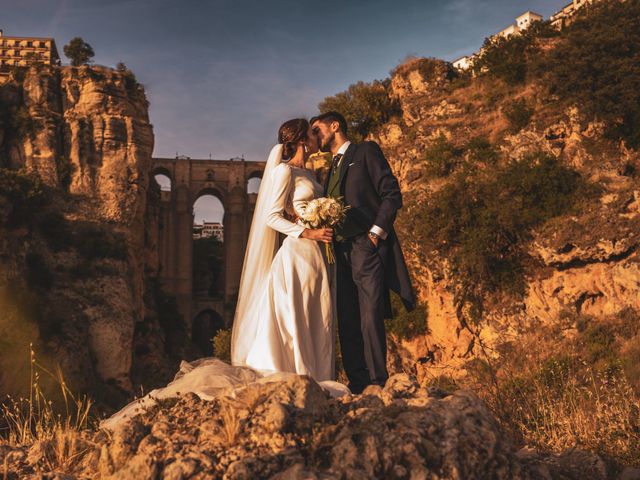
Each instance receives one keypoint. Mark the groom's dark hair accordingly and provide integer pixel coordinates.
(329, 117)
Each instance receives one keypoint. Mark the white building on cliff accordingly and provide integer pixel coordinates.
(521, 23)
(562, 17)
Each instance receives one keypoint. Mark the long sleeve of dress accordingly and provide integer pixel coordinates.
(281, 189)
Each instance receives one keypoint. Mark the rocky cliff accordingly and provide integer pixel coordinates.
(582, 263)
(72, 267)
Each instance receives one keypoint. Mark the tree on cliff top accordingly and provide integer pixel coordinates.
(78, 51)
(365, 106)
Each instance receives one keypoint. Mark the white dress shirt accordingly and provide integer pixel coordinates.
(374, 228)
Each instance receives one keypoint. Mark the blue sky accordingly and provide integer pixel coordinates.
(222, 75)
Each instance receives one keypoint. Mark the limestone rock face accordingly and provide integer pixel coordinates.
(291, 429)
(90, 138)
(417, 78)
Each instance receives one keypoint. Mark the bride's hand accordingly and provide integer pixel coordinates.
(318, 234)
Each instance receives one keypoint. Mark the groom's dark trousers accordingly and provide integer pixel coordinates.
(362, 303)
(366, 272)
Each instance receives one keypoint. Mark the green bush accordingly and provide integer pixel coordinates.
(365, 106)
(480, 150)
(16, 122)
(518, 113)
(481, 223)
(130, 80)
(222, 345)
(24, 194)
(406, 325)
(507, 58)
(441, 157)
(596, 66)
(93, 241)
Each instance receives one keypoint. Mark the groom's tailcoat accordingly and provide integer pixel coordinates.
(370, 189)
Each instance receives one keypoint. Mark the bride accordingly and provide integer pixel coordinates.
(285, 316)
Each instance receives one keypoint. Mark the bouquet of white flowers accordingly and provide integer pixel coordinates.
(324, 212)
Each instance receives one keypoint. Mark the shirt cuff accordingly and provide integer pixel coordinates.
(378, 231)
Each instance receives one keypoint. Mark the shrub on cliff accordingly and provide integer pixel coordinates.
(480, 223)
(481, 151)
(507, 58)
(94, 242)
(440, 157)
(65, 171)
(131, 82)
(406, 325)
(518, 113)
(365, 106)
(222, 345)
(21, 196)
(596, 65)
(16, 123)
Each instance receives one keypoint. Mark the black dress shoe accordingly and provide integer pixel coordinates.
(357, 389)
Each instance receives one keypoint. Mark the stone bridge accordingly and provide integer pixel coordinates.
(191, 179)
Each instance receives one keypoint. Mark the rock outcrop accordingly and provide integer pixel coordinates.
(291, 429)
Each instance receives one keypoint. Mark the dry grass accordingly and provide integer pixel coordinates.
(560, 393)
(230, 423)
(559, 408)
(35, 420)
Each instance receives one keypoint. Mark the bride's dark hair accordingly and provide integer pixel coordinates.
(290, 133)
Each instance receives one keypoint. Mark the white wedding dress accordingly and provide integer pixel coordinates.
(285, 315)
(294, 331)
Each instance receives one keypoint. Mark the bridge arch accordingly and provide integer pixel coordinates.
(254, 180)
(191, 180)
(162, 177)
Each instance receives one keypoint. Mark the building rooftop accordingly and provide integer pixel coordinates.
(528, 12)
(13, 37)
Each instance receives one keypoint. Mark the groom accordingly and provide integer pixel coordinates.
(368, 255)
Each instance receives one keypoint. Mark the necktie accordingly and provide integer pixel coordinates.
(336, 162)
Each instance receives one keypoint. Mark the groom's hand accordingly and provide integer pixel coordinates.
(374, 239)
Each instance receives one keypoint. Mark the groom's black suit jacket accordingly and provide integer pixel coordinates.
(372, 191)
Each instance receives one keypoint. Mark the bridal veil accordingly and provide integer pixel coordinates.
(261, 249)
